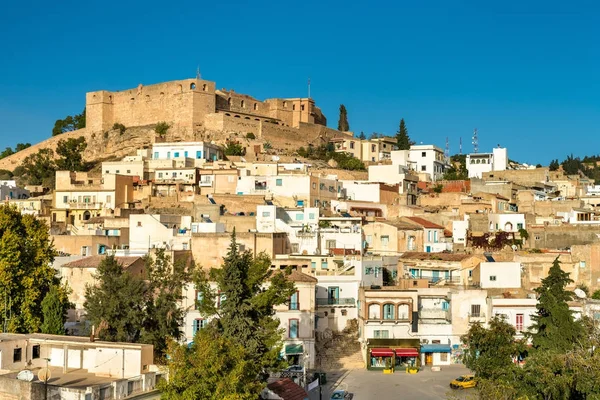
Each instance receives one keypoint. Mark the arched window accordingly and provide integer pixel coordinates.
(508, 227)
(403, 312)
(285, 104)
(86, 215)
(388, 311)
(374, 311)
(229, 101)
(204, 87)
(255, 106)
(243, 104)
(192, 86)
(411, 243)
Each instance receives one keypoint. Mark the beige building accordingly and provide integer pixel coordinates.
(297, 319)
(393, 237)
(372, 150)
(439, 268)
(80, 196)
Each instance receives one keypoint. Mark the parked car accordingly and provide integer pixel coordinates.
(464, 382)
(341, 395)
(295, 368)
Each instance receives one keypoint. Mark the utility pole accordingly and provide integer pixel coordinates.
(475, 141)
(309, 87)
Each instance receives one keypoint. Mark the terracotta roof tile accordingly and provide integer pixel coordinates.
(424, 223)
(287, 389)
(94, 261)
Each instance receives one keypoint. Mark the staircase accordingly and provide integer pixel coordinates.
(339, 350)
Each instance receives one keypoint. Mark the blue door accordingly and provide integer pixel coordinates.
(428, 249)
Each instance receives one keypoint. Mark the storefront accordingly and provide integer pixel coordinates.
(406, 357)
(381, 358)
(435, 354)
(293, 353)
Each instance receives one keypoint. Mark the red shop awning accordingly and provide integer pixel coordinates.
(382, 352)
(407, 352)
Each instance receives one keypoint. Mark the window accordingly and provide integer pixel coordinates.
(199, 323)
(284, 104)
(445, 305)
(403, 312)
(199, 154)
(324, 264)
(423, 154)
(198, 299)
(128, 171)
(519, 226)
(313, 265)
(537, 237)
(369, 239)
(411, 243)
(314, 185)
(243, 103)
(293, 328)
(382, 334)
(266, 214)
(423, 168)
(470, 273)
(519, 322)
(302, 107)
(176, 154)
(351, 145)
(278, 182)
(475, 310)
(65, 199)
(36, 352)
(139, 223)
(311, 215)
(385, 240)
(374, 311)
(255, 106)
(17, 354)
(581, 264)
(372, 147)
(492, 278)
(109, 199)
(294, 305)
(156, 155)
(295, 248)
(444, 357)
(221, 297)
(330, 244)
(168, 155)
(388, 311)
(299, 217)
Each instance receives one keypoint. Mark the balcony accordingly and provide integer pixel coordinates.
(84, 206)
(294, 306)
(434, 313)
(476, 317)
(306, 234)
(342, 301)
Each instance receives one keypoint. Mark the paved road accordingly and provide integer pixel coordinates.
(425, 385)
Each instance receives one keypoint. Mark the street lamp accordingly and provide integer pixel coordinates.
(46, 379)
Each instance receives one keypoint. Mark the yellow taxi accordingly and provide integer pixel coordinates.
(464, 382)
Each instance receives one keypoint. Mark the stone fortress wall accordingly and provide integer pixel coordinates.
(196, 110)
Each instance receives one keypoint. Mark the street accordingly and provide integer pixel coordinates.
(426, 385)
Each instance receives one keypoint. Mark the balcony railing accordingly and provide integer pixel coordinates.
(344, 301)
(477, 317)
(434, 313)
(86, 206)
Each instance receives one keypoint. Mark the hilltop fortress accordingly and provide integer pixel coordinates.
(194, 105)
(195, 110)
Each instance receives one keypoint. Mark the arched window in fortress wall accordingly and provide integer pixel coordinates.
(255, 106)
(229, 101)
(192, 86)
(243, 104)
(204, 87)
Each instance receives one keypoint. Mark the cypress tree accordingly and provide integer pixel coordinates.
(343, 121)
(402, 137)
(555, 328)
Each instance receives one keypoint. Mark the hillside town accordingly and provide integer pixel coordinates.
(394, 255)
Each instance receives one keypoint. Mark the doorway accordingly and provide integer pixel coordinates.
(333, 294)
(428, 359)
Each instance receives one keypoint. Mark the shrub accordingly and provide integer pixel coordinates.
(250, 135)
(267, 146)
(120, 127)
(161, 128)
(105, 135)
(234, 149)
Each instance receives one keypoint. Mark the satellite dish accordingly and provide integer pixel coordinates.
(25, 375)
(580, 293)
(44, 375)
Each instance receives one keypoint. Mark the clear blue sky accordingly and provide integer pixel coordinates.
(524, 73)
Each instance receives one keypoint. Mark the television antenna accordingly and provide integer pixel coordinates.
(475, 141)
(460, 145)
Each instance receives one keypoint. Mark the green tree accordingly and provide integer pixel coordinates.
(343, 121)
(7, 152)
(162, 128)
(215, 367)
(70, 123)
(5, 175)
(39, 168)
(242, 319)
(458, 168)
(362, 136)
(163, 314)
(54, 309)
(402, 137)
(554, 327)
(572, 165)
(22, 146)
(490, 351)
(234, 149)
(26, 275)
(554, 165)
(439, 188)
(596, 295)
(71, 154)
(116, 304)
